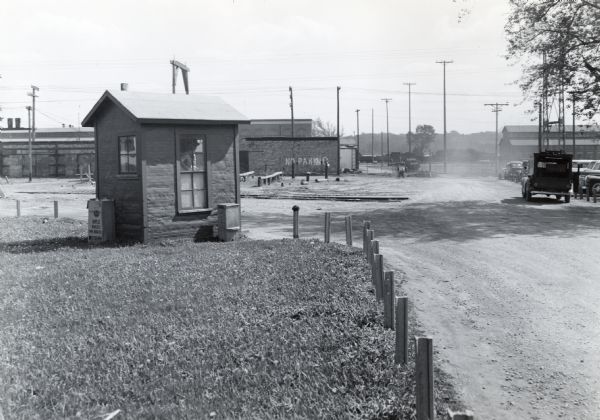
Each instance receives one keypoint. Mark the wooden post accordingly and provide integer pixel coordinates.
(374, 247)
(424, 378)
(388, 300)
(401, 354)
(374, 274)
(18, 208)
(370, 236)
(327, 227)
(349, 230)
(366, 227)
(56, 209)
(379, 277)
(295, 210)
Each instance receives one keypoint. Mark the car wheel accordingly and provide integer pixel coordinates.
(527, 192)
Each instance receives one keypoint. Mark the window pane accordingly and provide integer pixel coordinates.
(186, 199)
(199, 183)
(186, 182)
(200, 199)
(132, 167)
(127, 154)
(191, 154)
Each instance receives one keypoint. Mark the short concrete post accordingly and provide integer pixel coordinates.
(401, 327)
(308, 177)
(295, 210)
(374, 250)
(18, 208)
(424, 378)
(379, 277)
(366, 227)
(56, 209)
(595, 196)
(349, 230)
(327, 227)
(388, 299)
(293, 170)
(260, 181)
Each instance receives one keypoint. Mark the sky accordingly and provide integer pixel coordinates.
(249, 52)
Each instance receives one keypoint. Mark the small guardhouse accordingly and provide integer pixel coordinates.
(166, 161)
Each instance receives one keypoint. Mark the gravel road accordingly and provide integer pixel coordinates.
(507, 289)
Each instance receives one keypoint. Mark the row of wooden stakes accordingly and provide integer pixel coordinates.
(395, 317)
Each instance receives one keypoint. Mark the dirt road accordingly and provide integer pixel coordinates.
(507, 289)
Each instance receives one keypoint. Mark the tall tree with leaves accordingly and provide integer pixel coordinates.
(568, 33)
(423, 138)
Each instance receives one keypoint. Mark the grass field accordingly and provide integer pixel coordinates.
(252, 329)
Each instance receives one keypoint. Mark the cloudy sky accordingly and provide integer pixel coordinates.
(250, 51)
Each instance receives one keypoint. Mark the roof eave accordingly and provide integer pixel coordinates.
(191, 122)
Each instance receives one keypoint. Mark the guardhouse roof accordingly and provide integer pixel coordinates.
(168, 108)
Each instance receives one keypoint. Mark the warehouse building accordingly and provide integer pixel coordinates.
(267, 146)
(519, 142)
(56, 152)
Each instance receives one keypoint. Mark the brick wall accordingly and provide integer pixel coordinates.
(268, 155)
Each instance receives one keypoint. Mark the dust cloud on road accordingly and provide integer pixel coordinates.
(508, 289)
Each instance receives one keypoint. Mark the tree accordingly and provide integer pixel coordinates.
(568, 33)
(321, 128)
(424, 136)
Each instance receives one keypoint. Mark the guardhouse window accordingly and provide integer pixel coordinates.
(127, 155)
(192, 173)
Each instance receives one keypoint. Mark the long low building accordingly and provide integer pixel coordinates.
(519, 142)
(56, 152)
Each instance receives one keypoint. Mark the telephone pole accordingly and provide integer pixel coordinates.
(34, 89)
(357, 142)
(496, 108)
(292, 108)
(338, 131)
(28, 108)
(409, 84)
(444, 62)
(387, 127)
(372, 135)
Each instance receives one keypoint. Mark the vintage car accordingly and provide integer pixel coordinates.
(592, 168)
(513, 171)
(548, 173)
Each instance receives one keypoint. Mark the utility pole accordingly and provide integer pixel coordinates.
(292, 108)
(496, 108)
(28, 108)
(409, 84)
(387, 127)
(338, 131)
(34, 89)
(444, 62)
(357, 141)
(573, 101)
(372, 135)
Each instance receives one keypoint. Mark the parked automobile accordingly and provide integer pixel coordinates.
(592, 168)
(580, 166)
(549, 173)
(513, 171)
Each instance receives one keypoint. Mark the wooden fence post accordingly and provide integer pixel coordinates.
(370, 236)
(374, 247)
(379, 277)
(56, 209)
(424, 378)
(295, 210)
(401, 354)
(388, 300)
(366, 227)
(327, 227)
(349, 230)
(18, 208)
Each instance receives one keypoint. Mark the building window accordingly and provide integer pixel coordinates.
(192, 173)
(127, 155)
